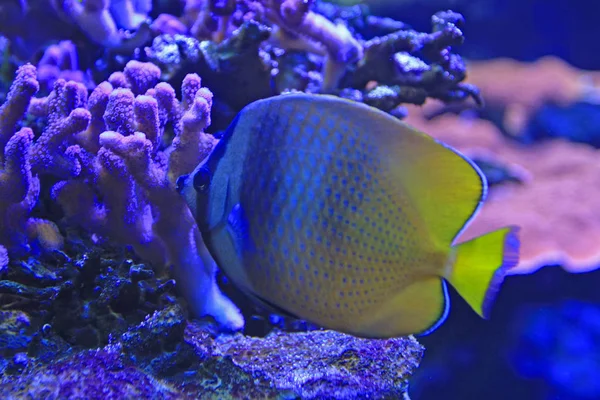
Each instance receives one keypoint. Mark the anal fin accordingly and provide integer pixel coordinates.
(418, 309)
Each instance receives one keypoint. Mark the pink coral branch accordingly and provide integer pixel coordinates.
(191, 145)
(295, 17)
(19, 193)
(24, 87)
(193, 266)
(115, 177)
(100, 20)
(3, 259)
(121, 191)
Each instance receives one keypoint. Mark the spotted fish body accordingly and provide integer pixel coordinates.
(309, 204)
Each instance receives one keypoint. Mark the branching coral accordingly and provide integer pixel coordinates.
(60, 61)
(3, 258)
(100, 20)
(19, 187)
(555, 203)
(301, 28)
(104, 22)
(175, 226)
(246, 40)
(256, 60)
(114, 177)
(237, 70)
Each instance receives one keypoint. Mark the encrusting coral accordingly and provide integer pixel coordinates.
(165, 357)
(522, 88)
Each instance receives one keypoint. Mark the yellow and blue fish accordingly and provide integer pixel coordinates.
(342, 215)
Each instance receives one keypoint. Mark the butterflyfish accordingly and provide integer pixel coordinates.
(342, 215)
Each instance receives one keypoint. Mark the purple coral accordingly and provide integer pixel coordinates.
(314, 365)
(3, 259)
(114, 175)
(186, 252)
(121, 191)
(119, 111)
(190, 146)
(100, 20)
(60, 61)
(141, 76)
(24, 87)
(19, 186)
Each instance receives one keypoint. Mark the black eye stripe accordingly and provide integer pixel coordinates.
(180, 183)
(202, 180)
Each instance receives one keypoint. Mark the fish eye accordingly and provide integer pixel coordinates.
(202, 180)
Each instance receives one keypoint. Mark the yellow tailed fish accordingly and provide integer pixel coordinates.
(342, 215)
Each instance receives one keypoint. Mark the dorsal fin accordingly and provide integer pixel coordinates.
(445, 187)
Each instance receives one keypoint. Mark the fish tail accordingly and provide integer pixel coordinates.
(481, 264)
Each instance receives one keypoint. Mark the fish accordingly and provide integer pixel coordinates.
(337, 213)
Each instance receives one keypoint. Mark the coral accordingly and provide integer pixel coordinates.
(302, 28)
(234, 69)
(15, 332)
(137, 76)
(24, 86)
(92, 374)
(554, 201)
(146, 211)
(240, 44)
(100, 189)
(520, 89)
(164, 357)
(108, 23)
(3, 259)
(19, 188)
(60, 61)
(176, 227)
(404, 66)
(100, 20)
(395, 61)
(168, 24)
(67, 116)
(327, 364)
(189, 148)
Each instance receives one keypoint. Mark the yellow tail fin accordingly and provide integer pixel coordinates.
(481, 265)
